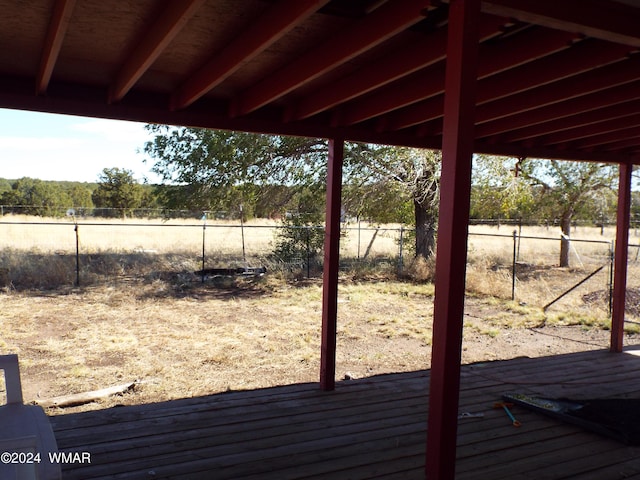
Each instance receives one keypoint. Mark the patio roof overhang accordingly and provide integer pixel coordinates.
(555, 79)
(524, 78)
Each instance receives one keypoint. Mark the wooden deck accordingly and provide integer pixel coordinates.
(368, 428)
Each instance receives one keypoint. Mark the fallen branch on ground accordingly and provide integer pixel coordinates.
(85, 397)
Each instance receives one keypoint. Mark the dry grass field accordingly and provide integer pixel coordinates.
(152, 322)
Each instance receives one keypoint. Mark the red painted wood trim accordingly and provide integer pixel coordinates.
(173, 18)
(621, 256)
(569, 122)
(279, 20)
(331, 264)
(591, 101)
(391, 68)
(385, 22)
(60, 18)
(618, 23)
(457, 151)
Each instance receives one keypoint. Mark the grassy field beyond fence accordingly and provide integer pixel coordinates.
(53, 253)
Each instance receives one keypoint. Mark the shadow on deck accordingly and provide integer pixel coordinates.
(368, 428)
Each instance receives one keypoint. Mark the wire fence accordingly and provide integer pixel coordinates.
(521, 264)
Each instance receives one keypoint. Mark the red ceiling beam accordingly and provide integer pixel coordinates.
(580, 58)
(406, 61)
(584, 131)
(576, 111)
(58, 25)
(613, 22)
(172, 19)
(375, 75)
(630, 144)
(385, 22)
(632, 131)
(426, 83)
(589, 82)
(520, 150)
(586, 92)
(533, 71)
(276, 22)
(583, 57)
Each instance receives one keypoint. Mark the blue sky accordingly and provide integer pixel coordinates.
(64, 147)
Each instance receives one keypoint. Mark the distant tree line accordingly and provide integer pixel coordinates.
(495, 197)
(268, 176)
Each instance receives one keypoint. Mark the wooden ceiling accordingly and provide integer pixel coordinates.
(556, 79)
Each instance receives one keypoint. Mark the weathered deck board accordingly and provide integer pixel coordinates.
(368, 428)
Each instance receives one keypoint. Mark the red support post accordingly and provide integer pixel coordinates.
(621, 256)
(331, 265)
(451, 258)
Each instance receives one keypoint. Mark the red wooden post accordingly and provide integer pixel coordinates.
(457, 151)
(621, 254)
(331, 264)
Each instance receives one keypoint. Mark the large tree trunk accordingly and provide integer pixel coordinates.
(565, 242)
(426, 221)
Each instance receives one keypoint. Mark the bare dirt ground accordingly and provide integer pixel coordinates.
(188, 340)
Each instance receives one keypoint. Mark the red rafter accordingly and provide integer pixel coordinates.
(577, 105)
(589, 82)
(172, 19)
(396, 65)
(424, 84)
(631, 144)
(584, 131)
(60, 17)
(581, 58)
(271, 26)
(494, 59)
(383, 23)
(633, 130)
(616, 23)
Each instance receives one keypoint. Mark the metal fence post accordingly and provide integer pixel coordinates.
(513, 265)
(307, 228)
(611, 260)
(400, 258)
(244, 255)
(204, 229)
(77, 230)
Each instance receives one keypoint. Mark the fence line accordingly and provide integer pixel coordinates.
(208, 244)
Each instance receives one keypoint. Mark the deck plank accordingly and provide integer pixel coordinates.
(368, 428)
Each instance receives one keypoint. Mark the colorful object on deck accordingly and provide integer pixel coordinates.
(505, 407)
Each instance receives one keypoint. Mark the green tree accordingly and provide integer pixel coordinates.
(413, 174)
(378, 202)
(209, 164)
(499, 190)
(5, 185)
(118, 189)
(80, 195)
(302, 234)
(37, 197)
(566, 190)
(204, 168)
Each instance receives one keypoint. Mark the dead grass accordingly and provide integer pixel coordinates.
(145, 316)
(206, 339)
